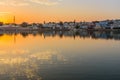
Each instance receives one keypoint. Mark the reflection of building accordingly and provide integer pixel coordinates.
(61, 34)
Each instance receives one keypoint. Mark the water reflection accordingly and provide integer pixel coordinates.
(82, 34)
(24, 65)
(57, 55)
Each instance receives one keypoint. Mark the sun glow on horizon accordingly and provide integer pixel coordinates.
(6, 17)
(38, 11)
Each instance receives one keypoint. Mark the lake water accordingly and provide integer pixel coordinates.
(60, 55)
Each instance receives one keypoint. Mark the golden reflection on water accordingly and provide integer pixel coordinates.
(23, 57)
(23, 63)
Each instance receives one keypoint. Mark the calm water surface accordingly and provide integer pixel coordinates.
(60, 56)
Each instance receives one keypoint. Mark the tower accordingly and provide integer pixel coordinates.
(14, 19)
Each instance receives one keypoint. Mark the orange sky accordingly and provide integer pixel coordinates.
(58, 10)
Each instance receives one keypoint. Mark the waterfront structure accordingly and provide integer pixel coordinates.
(95, 25)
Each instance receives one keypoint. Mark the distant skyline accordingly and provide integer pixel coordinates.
(58, 10)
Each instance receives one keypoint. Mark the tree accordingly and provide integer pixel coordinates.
(1, 23)
(77, 26)
(24, 24)
(110, 22)
(40, 26)
(61, 23)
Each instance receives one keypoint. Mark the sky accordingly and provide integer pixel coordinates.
(58, 10)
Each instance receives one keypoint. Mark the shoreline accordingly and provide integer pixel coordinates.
(47, 29)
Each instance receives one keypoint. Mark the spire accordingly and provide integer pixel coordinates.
(14, 19)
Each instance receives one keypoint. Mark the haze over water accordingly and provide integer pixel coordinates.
(60, 56)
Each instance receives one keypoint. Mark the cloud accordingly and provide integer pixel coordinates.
(46, 2)
(13, 2)
(28, 2)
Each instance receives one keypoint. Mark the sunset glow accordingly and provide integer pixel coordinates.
(58, 10)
